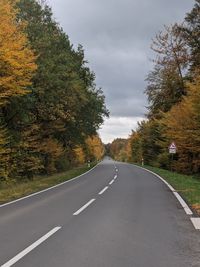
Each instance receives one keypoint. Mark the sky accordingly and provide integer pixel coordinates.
(116, 36)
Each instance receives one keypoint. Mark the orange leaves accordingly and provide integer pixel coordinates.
(94, 150)
(17, 61)
(119, 149)
(16, 66)
(80, 155)
(183, 126)
(182, 120)
(95, 146)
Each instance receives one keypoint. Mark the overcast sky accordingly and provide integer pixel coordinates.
(116, 36)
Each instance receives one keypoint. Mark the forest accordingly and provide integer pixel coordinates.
(173, 91)
(50, 107)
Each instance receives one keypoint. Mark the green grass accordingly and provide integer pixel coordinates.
(186, 185)
(14, 190)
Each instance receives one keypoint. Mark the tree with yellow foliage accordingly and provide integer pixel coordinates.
(92, 150)
(16, 58)
(79, 155)
(183, 126)
(17, 66)
(95, 147)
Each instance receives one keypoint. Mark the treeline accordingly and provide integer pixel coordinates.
(173, 91)
(119, 149)
(50, 108)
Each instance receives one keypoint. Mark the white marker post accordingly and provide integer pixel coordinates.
(88, 163)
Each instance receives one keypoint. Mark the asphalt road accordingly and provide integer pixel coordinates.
(117, 215)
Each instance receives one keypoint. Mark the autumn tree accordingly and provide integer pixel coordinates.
(17, 61)
(17, 66)
(50, 108)
(80, 156)
(117, 149)
(173, 94)
(136, 153)
(64, 106)
(166, 82)
(94, 148)
(183, 126)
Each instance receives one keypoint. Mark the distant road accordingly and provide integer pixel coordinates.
(117, 215)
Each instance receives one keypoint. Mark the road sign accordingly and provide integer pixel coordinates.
(173, 145)
(172, 151)
(172, 148)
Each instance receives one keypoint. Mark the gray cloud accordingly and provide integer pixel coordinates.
(116, 35)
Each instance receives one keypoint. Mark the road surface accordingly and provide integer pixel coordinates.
(117, 215)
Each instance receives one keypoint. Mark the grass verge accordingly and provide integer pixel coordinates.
(186, 185)
(14, 190)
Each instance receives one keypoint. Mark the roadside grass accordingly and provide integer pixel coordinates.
(13, 190)
(187, 186)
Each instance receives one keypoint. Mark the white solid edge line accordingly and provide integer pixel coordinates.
(196, 223)
(30, 248)
(111, 182)
(47, 189)
(183, 203)
(102, 191)
(180, 199)
(84, 207)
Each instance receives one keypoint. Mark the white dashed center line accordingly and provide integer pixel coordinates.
(30, 248)
(111, 182)
(102, 191)
(84, 207)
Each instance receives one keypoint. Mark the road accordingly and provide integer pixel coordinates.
(117, 215)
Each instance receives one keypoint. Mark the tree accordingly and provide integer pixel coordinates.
(163, 90)
(136, 148)
(150, 140)
(17, 67)
(17, 61)
(183, 126)
(80, 155)
(64, 106)
(95, 148)
(5, 154)
(118, 149)
(191, 33)
(166, 83)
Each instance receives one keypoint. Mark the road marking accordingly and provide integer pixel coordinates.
(115, 177)
(102, 191)
(183, 204)
(181, 201)
(30, 248)
(84, 207)
(111, 182)
(116, 170)
(196, 223)
(47, 189)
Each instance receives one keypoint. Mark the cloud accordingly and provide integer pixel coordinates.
(118, 127)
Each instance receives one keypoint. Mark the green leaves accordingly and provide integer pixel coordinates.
(63, 106)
